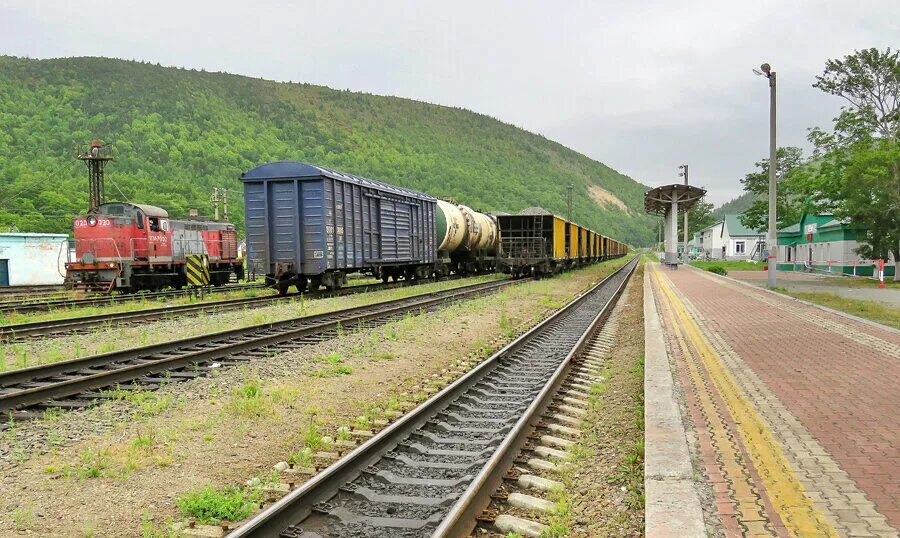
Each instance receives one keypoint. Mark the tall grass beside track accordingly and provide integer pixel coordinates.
(11, 318)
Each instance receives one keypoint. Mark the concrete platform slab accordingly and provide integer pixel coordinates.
(672, 501)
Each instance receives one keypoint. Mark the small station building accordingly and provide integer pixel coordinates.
(32, 259)
(825, 243)
(728, 239)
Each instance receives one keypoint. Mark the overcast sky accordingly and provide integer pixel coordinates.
(641, 86)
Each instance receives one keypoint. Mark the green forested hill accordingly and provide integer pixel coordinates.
(178, 133)
(736, 206)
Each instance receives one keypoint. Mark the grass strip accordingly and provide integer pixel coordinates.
(865, 309)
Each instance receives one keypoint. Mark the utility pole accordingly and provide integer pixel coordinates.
(772, 238)
(684, 173)
(215, 202)
(95, 159)
(569, 188)
(225, 204)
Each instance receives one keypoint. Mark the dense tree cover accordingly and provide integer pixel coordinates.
(178, 133)
(854, 171)
(788, 207)
(735, 206)
(700, 216)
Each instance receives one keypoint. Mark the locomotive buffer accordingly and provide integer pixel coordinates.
(197, 270)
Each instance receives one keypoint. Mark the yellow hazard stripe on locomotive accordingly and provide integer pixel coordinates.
(197, 269)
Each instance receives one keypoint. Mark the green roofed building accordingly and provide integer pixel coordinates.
(824, 243)
(740, 242)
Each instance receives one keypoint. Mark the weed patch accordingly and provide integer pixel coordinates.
(145, 403)
(333, 366)
(210, 505)
(249, 400)
(23, 518)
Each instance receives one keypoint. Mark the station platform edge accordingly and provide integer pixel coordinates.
(766, 416)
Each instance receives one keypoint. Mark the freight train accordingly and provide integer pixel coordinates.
(309, 226)
(537, 245)
(131, 247)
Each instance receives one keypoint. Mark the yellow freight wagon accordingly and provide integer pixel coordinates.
(582, 251)
(559, 238)
(573, 240)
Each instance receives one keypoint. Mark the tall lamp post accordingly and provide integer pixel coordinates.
(772, 238)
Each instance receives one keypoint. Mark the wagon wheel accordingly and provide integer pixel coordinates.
(282, 287)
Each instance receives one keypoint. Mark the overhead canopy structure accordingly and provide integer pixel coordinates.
(659, 200)
(668, 200)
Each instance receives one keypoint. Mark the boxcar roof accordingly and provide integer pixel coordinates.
(294, 169)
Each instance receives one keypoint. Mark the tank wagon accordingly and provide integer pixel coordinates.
(130, 247)
(536, 245)
(309, 226)
(469, 239)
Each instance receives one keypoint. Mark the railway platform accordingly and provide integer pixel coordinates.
(766, 416)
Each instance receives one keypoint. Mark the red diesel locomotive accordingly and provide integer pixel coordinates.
(130, 247)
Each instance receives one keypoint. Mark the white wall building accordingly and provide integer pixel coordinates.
(740, 242)
(32, 259)
(710, 242)
(728, 239)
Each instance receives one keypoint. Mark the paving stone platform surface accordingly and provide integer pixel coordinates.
(793, 412)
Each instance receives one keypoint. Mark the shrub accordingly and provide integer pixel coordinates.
(211, 506)
(717, 269)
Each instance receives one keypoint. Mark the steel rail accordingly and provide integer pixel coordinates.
(24, 293)
(280, 518)
(39, 384)
(20, 331)
(38, 305)
(41, 288)
(462, 518)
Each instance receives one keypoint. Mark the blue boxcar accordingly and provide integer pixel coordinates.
(308, 225)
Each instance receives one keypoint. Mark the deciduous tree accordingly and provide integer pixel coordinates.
(789, 200)
(857, 172)
(700, 216)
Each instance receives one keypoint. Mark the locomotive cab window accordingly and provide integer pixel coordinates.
(139, 220)
(154, 224)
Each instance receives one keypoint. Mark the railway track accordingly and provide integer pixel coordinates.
(24, 331)
(39, 288)
(37, 304)
(433, 471)
(21, 293)
(55, 385)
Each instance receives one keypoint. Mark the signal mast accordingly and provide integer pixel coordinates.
(95, 159)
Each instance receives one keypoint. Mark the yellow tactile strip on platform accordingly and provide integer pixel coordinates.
(740, 501)
(796, 510)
